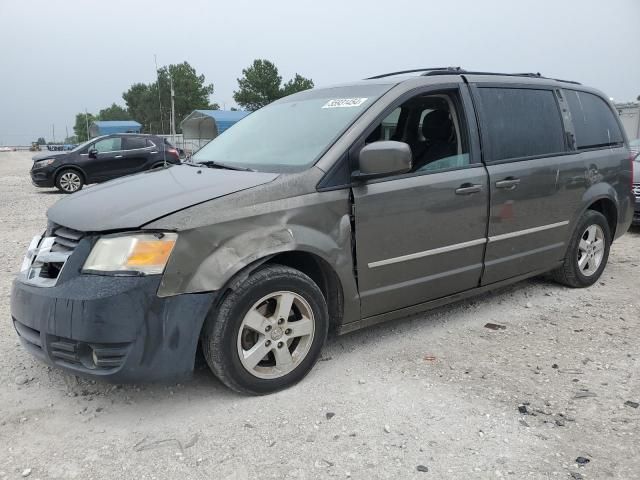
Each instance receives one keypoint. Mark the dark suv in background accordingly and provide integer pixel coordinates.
(101, 159)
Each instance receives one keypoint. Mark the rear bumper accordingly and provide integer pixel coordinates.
(112, 328)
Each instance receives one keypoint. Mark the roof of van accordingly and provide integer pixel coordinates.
(458, 71)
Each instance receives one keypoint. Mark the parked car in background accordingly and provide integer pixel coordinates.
(334, 208)
(100, 159)
(634, 146)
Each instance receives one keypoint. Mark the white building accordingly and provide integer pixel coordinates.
(630, 116)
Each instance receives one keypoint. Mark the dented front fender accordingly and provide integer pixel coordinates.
(218, 239)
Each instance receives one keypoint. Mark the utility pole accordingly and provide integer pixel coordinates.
(155, 60)
(86, 119)
(173, 113)
(53, 133)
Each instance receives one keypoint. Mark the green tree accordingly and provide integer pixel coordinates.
(261, 84)
(191, 92)
(114, 112)
(80, 127)
(41, 141)
(296, 84)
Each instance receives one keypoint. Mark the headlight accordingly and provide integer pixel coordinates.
(145, 253)
(43, 163)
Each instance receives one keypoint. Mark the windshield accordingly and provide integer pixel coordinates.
(291, 134)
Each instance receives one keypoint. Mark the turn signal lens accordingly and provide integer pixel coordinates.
(149, 253)
(145, 253)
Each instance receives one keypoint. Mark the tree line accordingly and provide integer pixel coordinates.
(150, 103)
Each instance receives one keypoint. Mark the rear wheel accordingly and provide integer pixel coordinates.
(267, 333)
(69, 181)
(588, 252)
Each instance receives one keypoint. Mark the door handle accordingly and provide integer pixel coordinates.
(155, 151)
(118, 156)
(508, 183)
(468, 188)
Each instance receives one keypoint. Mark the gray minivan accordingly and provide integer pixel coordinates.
(328, 210)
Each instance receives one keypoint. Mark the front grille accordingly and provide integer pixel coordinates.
(636, 190)
(66, 240)
(48, 254)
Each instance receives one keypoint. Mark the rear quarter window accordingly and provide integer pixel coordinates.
(594, 122)
(133, 143)
(520, 122)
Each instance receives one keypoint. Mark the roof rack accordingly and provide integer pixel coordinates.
(460, 71)
(446, 70)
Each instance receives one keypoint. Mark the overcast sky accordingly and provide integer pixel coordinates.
(56, 58)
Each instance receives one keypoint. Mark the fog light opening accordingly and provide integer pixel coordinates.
(87, 356)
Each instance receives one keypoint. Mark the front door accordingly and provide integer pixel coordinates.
(109, 154)
(421, 235)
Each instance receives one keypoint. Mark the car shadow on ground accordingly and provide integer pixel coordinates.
(49, 192)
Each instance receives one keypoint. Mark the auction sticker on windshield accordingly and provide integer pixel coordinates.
(344, 102)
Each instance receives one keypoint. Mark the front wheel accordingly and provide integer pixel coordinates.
(69, 181)
(588, 252)
(267, 332)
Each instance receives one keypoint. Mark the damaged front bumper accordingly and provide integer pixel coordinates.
(108, 327)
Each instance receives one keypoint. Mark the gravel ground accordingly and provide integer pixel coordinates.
(437, 390)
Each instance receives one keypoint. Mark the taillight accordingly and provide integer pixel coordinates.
(173, 151)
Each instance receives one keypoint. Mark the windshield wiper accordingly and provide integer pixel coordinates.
(212, 164)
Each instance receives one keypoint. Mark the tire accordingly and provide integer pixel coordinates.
(576, 272)
(157, 166)
(248, 320)
(69, 181)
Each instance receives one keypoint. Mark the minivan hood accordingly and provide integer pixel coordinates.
(130, 202)
(43, 155)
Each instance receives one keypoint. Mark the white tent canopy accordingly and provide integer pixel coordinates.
(201, 126)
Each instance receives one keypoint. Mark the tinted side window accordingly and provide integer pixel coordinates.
(593, 121)
(131, 143)
(521, 122)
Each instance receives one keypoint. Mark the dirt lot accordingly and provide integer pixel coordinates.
(438, 390)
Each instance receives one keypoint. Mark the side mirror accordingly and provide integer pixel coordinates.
(93, 153)
(380, 159)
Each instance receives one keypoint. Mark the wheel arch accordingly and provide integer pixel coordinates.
(61, 168)
(309, 263)
(609, 209)
(603, 198)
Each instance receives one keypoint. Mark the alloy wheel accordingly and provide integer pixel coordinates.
(70, 182)
(276, 334)
(591, 250)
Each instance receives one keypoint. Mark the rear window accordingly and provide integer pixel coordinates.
(520, 122)
(593, 121)
(131, 143)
